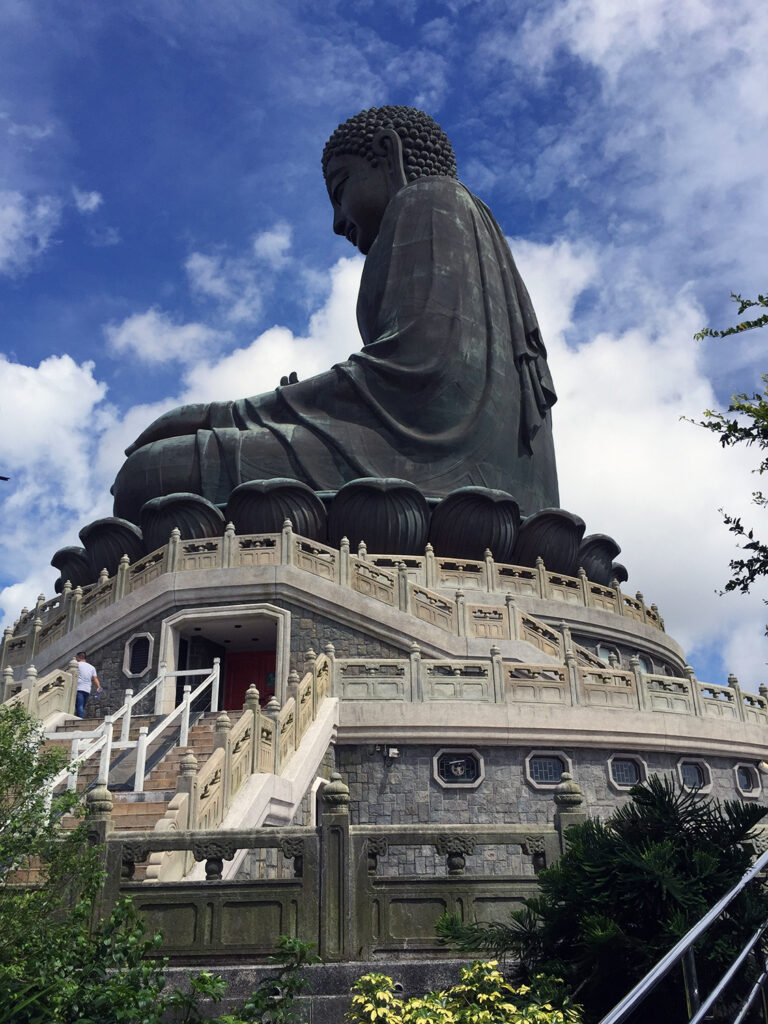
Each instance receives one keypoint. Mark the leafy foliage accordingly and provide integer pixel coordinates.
(746, 422)
(623, 894)
(482, 996)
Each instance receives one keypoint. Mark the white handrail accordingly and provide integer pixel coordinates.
(103, 736)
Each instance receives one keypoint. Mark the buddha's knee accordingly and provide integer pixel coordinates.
(162, 467)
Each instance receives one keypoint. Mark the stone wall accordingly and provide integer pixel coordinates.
(309, 629)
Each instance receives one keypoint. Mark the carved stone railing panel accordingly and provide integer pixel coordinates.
(487, 622)
(286, 726)
(631, 608)
(612, 688)
(540, 684)
(540, 635)
(431, 607)
(305, 701)
(380, 584)
(665, 693)
(461, 574)
(210, 792)
(565, 588)
(446, 680)
(719, 701)
(755, 708)
(263, 549)
(100, 596)
(240, 743)
(516, 579)
(316, 558)
(372, 679)
(414, 565)
(147, 569)
(200, 554)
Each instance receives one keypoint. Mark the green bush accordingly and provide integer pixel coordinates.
(625, 892)
(482, 996)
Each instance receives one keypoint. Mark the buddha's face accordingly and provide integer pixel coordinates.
(359, 193)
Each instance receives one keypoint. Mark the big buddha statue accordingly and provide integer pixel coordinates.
(451, 387)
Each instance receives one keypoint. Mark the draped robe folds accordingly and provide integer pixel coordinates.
(450, 389)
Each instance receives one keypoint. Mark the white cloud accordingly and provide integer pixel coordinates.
(26, 227)
(273, 246)
(87, 202)
(631, 468)
(153, 338)
(235, 284)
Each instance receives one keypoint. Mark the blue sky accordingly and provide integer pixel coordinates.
(165, 235)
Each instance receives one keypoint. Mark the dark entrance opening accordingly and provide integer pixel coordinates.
(244, 668)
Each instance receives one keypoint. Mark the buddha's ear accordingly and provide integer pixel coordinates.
(388, 144)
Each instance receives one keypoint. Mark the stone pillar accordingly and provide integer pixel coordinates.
(430, 568)
(490, 571)
(121, 583)
(174, 550)
(73, 617)
(639, 597)
(584, 585)
(461, 613)
(417, 690)
(286, 543)
(513, 625)
(569, 807)
(330, 652)
(7, 683)
(272, 710)
(37, 625)
(187, 783)
(228, 547)
(643, 697)
(698, 704)
(738, 697)
(572, 676)
(403, 594)
(221, 739)
(541, 571)
(497, 674)
(337, 891)
(344, 562)
(251, 707)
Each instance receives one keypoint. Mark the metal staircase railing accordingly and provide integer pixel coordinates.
(683, 954)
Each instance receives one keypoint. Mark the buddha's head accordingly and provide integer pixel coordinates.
(372, 156)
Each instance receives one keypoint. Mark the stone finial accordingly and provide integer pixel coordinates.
(763, 690)
(613, 661)
(495, 651)
(330, 650)
(98, 802)
(31, 672)
(310, 655)
(103, 576)
(125, 560)
(223, 722)
(414, 648)
(273, 707)
(175, 533)
(639, 596)
(287, 524)
(539, 562)
(568, 795)
(336, 792)
(733, 681)
(293, 678)
(252, 700)
(488, 554)
(229, 530)
(188, 765)
(362, 549)
(40, 599)
(429, 550)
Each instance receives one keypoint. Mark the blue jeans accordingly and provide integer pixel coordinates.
(80, 700)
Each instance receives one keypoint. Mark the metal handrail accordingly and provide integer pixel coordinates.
(684, 947)
(102, 736)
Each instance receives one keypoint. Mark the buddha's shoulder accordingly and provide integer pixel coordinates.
(434, 188)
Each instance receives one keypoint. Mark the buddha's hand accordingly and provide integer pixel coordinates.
(293, 378)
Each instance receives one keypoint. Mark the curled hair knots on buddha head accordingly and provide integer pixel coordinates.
(426, 149)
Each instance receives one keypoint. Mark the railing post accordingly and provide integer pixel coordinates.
(187, 783)
(344, 562)
(417, 690)
(572, 672)
(7, 638)
(251, 707)
(141, 760)
(330, 652)
(584, 580)
(461, 613)
(541, 571)
(337, 890)
(228, 546)
(7, 682)
(641, 685)
(490, 571)
(514, 627)
(286, 543)
(106, 751)
(695, 690)
(497, 673)
(430, 568)
(215, 684)
(733, 682)
(568, 806)
(160, 688)
(74, 754)
(362, 550)
(125, 729)
(174, 546)
(37, 625)
(221, 738)
(121, 583)
(73, 612)
(272, 710)
(403, 596)
(184, 731)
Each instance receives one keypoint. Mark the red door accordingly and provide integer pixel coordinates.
(246, 667)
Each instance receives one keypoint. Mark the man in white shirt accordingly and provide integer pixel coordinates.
(86, 675)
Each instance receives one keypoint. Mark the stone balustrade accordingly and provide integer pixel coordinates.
(442, 591)
(496, 680)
